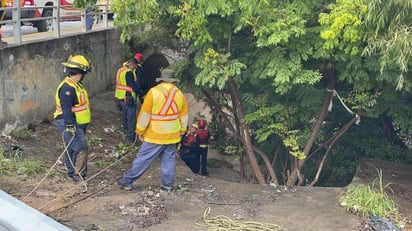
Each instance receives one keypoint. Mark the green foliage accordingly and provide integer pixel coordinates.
(342, 26)
(103, 163)
(28, 168)
(291, 142)
(131, 15)
(84, 3)
(14, 165)
(192, 24)
(216, 69)
(226, 145)
(275, 23)
(280, 55)
(366, 140)
(290, 137)
(362, 100)
(22, 133)
(389, 26)
(94, 140)
(5, 166)
(121, 149)
(231, 150)
(287, 72)
(365, 200)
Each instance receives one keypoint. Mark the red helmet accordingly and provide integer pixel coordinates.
(201, 123)
(138, 57)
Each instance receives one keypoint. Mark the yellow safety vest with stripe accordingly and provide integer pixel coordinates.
(80, 110)
(121, 85)
(163, 116)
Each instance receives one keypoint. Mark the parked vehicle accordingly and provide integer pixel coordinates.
(25, 12)
(67, 13)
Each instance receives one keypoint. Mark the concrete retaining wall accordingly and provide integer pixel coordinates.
(30, 74)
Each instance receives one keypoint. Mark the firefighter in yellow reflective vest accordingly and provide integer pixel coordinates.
(126, 94)
(161, 122)
(73, 114)
(139, 76)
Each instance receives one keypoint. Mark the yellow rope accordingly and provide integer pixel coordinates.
(223, 223)
(50, 170)
(87, 180)
(84, 182)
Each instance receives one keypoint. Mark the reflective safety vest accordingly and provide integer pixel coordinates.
(163, 116)
(82, 109)
(121, 85)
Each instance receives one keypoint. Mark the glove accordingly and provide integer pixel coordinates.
(71, 129)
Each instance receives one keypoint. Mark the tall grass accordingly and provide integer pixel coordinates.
(372, 199)
(14, 165)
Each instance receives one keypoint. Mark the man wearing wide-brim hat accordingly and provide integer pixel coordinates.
(168, 76)
(161, 122)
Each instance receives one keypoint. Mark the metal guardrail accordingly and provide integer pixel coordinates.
(100, 17)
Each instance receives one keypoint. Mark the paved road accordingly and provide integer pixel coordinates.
(8, 29)
(30, 33)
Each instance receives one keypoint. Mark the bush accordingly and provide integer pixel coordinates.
(23, 169)
(372, 199)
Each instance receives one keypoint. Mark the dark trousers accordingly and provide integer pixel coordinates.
(129, 120)
(77, 145)
(203, 157)
(192, 160)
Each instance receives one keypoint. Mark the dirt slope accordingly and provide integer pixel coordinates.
(102, 206)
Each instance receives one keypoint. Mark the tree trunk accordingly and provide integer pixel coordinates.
(332, 142)
(295, 171)
(218, 110)
(239, 115)
(244, 131)
(390, 132)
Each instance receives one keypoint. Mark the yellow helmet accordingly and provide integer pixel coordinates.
(77, 62)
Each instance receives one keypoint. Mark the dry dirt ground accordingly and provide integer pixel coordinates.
(196, 203)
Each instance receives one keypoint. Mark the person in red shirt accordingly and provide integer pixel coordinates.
(189, 149)
(204, 135)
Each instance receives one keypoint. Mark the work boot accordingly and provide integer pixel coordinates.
(166, 188)
(81, 163)
(75, 179)
(124, 187)
(205, 174)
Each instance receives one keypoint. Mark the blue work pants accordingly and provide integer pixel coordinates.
(129, 120)
(77, 145)
(147, 154)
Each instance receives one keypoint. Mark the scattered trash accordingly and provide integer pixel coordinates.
(271, 184)
(382, 224)
(16, 148)
(109, 130)
(116, 154)
(182, 187)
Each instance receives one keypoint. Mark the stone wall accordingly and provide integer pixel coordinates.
(30, 74)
